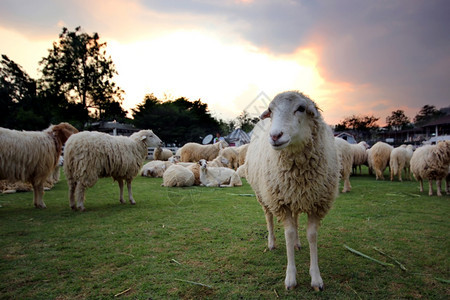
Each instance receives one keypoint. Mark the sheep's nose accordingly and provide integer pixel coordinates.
(276, 137)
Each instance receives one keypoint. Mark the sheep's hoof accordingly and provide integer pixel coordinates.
(290, 288)
(133, 203)
(40, 206)
(74, 208)
(318, 288)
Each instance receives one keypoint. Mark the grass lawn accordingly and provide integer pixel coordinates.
(198, 242)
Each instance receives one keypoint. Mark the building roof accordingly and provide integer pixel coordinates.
(445, 120)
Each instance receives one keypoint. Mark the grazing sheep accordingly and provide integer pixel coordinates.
(431, 162)
(193, 152)
(409, 153)
(218, 176)
(232, 155)
(31, 156)
(92, 155)
(242, 153)
(155, 168)
(359, 155)
(345, 157)
(178, 176)
(379, 157)
(162, 154)
(293, 168)
(397, 161)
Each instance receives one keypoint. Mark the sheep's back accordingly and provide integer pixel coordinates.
(89, 155)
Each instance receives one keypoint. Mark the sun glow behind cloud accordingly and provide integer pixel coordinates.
(197, 65)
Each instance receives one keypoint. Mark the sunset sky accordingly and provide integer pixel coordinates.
(350, 56)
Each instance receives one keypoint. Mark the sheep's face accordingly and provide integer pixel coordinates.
(150, 139)
(292, 117)
(203, 164)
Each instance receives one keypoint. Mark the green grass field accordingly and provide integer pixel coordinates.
(197, 243)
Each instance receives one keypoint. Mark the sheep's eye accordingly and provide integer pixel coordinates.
(301, 108)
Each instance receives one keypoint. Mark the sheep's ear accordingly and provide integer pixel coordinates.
(312, 110)
(143, 137)
(265, 114)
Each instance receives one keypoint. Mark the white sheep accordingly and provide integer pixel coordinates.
(345, 157)
(162, 153)
(397, 161)
(242, 153)
(409, 153)
(293, 168)
(89, 156)
(155, 168)
(193, 152)
(359, 155)
(218, 176)
(379, 158)
(178, 176)
(431, 162)
(31, 156)
(231, 154)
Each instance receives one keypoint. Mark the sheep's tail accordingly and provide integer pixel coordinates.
(394, 166)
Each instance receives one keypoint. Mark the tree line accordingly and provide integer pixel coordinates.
(76, 85)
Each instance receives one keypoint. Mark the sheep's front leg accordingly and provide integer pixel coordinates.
(120, 182)
(130, 193)
(298, 246)
(421, 185)
(269, 222)
(290, 233)
(38, 194)
(311, 232)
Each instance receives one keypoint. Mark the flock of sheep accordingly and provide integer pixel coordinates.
(293, 163)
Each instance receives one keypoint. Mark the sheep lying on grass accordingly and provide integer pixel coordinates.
(155, 168)
(193, 152)
(178, 176)
(379, 157)
(345, 157)
(218, 176)
(91, 155)
(431, 162)
(32, 156)
(162, 154)
(293, 168)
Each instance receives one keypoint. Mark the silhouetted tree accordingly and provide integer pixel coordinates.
(175, 121)
(426, 114)
(245, 122)
(20, 106)
(78, 69)
(397, 120)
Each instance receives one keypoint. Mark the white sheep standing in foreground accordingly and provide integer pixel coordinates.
(431, 162)
(359, 155)
(293, 168)
(345, 156)
(178, 176)
(32, 156)
(162, 153)
(379, 157)
(398, 161)
(218, 176)
(89, 156)
(193, 152)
